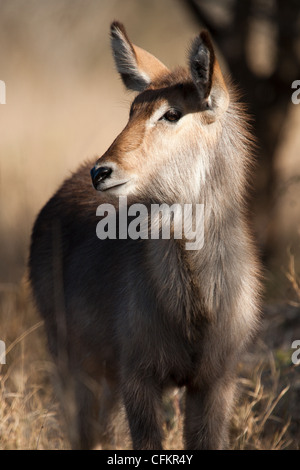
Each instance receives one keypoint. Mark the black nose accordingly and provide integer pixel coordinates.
(99, 174)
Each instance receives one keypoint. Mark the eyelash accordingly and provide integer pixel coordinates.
(172, 115)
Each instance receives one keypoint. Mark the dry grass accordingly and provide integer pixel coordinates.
(255, 423)
(28, 410)
(30, 415)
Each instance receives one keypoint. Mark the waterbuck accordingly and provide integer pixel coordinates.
(128, 318)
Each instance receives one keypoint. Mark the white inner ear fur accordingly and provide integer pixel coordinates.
(125, 58)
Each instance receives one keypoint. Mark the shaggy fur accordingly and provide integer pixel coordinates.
(126, 319)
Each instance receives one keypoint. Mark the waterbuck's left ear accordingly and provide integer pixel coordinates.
(208, 78)
(136, 66)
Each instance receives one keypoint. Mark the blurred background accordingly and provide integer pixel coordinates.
(65, 103)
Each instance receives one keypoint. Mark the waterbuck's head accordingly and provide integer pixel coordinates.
(166, 148)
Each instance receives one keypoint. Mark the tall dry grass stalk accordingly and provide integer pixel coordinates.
(293, 278)
(255, 423)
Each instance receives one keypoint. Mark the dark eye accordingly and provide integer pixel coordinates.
(173, 115)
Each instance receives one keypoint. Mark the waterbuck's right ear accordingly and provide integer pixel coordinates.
(136, 66)
(208, 78)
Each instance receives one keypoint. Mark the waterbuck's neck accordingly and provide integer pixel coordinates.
(211, 204)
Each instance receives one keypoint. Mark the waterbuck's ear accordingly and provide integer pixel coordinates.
(208, 78)
(137, 67)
